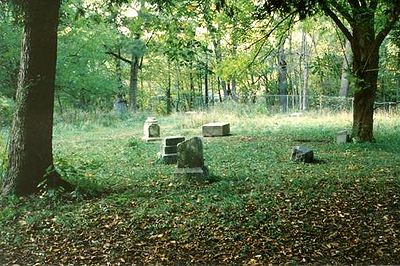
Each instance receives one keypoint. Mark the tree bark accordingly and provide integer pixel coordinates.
(168, 90)
(282, 77)
(30, 154)
(365, 70)
(133, 84)
(344, 80)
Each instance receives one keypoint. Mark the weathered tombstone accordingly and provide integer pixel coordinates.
(302, 154)
(216, 129)
(190, 161)
(342, 137)
(151, 129)
(296, 114)
(169, 150)
(120, 105)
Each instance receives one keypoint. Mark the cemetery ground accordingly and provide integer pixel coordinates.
(258, 206)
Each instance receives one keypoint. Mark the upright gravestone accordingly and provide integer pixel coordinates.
(302, 154)
(216, 129)
(120, 106)
(190, 159)
(151, 129)
(169, 149)
(342, 137)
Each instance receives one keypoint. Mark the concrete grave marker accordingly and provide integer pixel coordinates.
(342, 137)
(169, 150)
(190, 161)
(216, 129)
(151, 129)
(302, 154)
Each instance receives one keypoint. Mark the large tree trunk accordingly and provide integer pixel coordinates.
(365, 45)
(365, 70)
(30, 155)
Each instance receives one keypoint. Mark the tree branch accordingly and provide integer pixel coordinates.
(338, 22)
(386, 29)
(342, 11)
(118, 57)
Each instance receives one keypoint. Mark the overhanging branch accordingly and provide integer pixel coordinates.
(338, 22)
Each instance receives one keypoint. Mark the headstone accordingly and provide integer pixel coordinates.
(169, 150)
(296, 114)
(216, 129)
(120, 105)
(302, 154)
(151, 129)
(342, 137)
(190, 161)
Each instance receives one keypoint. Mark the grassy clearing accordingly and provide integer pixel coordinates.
(259, 207)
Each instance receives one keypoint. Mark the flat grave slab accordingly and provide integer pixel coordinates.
(216, 129)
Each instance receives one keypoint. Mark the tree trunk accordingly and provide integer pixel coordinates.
(365, 70)
(206, 81)
(282, 77)
(168, 90)
(30, 154)
(118, 72)
(344, 81)
(133, 86)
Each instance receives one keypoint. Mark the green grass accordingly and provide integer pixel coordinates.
(259, 207)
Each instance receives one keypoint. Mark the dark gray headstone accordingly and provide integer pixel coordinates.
(302, 154)
(190, 153)
(169, 149)
(190, 159)
(173, 140)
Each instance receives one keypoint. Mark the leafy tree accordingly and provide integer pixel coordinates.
(365, 24)
(30, 156)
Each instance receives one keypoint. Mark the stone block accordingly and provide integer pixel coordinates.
(302, 154)
(169, 158)
(169, 149)
(342, 137)
(197, 173)
(216, 129)
(173, 140)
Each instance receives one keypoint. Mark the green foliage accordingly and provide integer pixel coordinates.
(9, 51)
(6, 111)
(3, 157)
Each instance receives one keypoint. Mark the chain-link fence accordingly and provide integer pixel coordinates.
(290, 103)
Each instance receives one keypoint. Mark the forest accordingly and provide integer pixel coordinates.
(79, 78)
